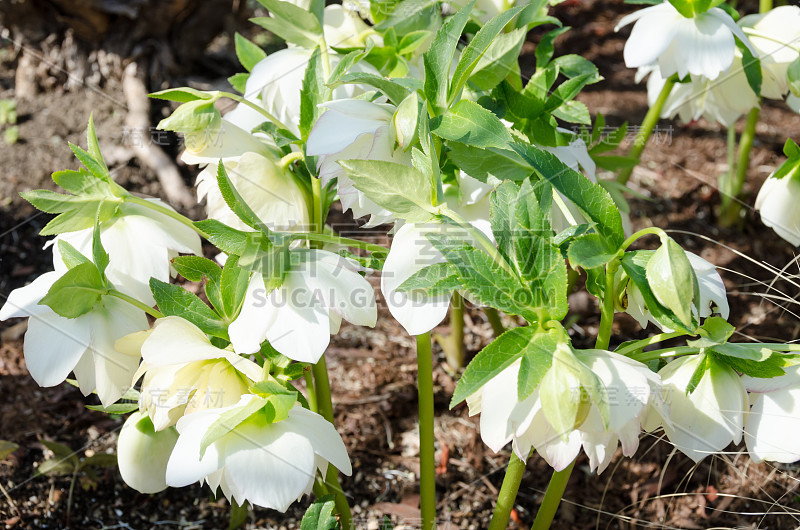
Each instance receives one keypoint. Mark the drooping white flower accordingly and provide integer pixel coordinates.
(708, 419)
(275, 83)
(140, 243)
(355, 129)
(55, 346)
(774, 418)
(227, 141)
(143, 453)
(777, 203)
(266, 464)
(628, 385)
(320, 288)
(271, 192)
(702, 45)
(776, 36)
(343, 28)
(713, 296)
(185, 373)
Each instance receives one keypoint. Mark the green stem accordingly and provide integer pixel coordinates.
(255, 107)
(641, 233)
(312, 393)
(322, 388)
(288, 159)
(427, 462)
(650, 121)
(494, 319)
(731, 208)
(663, 353)
(726, 179)
(639, 344)
(166, 211)
(607, 309)
(552, 498)
(457, 331)
(508, 493)
(327, 238)
(764, 6)
(155, 313)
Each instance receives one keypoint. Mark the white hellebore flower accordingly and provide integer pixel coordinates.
(776, 36)
(271, 192)
(185, 373)
(266, 464)
(55, 346)
(143, 453)
(708, 419)
(275, 84)
(777, 203)
(713, 296)
(702, 45)
(411, 252)
(771, 426)
(140, 243)
(355, 129)
(530, 423)
(319, 289)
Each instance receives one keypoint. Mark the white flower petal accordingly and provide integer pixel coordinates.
(143, 453)
(23, 302)
(771, 427)
(54, 345)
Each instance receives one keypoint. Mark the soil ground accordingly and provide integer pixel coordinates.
(373, 370)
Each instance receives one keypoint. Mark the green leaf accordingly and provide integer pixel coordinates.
(591, 198)
(347, 62)
(499, 61)
(312, 94)
(634, 264)
(752, 67)
(193, 117)
(715, 330)
(175, 300)
(239, 82)
(181, 95)
(239, 513)
(411, 41)
(486, 280)
(400, 189)
(233, 287)
(229, 420)
(99, 254)
(672, 279)
(480, 163)
(96, 168)
(82, 183)
(469, 123)
(98, 460)
(576, 65)
(703, 366)
(493, 359)
(236, 203)
(94, 147)
(402, 12)
(573, 112)
(320, 515)
(225, 238)
(70, 255)
(793, 77)
(589, 251)
(292, 23)
(393, 90)
(197, 269)
(537, 358)
(61, 453)
(248, 52)
(502, 204)
(566, 91)
(439, 57)
(6, 448)
(472, 54)
(764, 366)
(437, 279)
(50, 201)
(76, 292)
(546, 47)
(116, 408)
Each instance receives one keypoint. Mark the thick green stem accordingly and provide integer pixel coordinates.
(312, 393)
(322, 389)
(730, 209)
(607, 314)
(494, 319)
(650, 121)
(552, 498)
(455, 354)
(155, 313)
(427, 462)
(655, 231)
(508, 493)
(764, 6)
